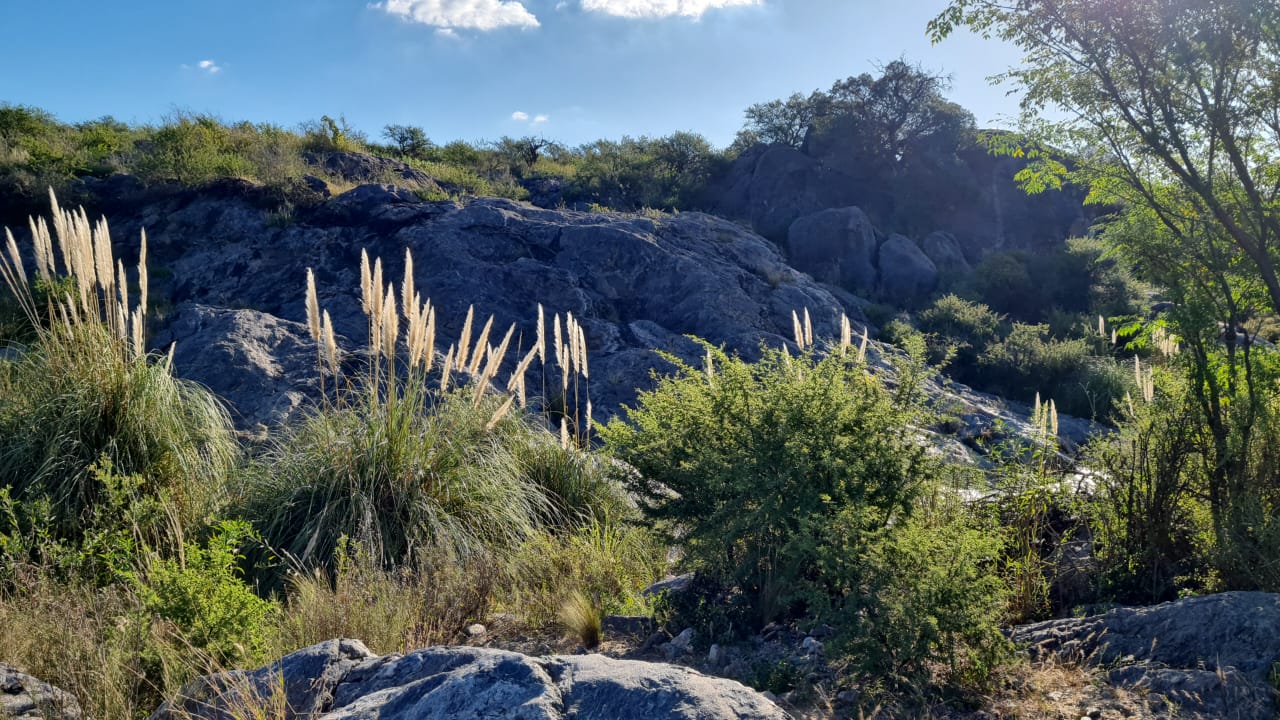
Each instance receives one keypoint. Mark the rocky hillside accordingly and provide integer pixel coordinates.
(230, 269)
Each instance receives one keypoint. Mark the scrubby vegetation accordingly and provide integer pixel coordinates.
(797, 489)
(141, 544)
(37, 151)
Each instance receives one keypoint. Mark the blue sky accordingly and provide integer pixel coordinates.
(568, 70)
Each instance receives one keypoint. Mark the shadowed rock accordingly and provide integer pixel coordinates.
(1212, 656)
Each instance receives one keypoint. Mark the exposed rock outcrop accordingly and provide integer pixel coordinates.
(236, 281)
(342, 680)
(945, 252)
(1210, 656)
(637, 283)
(266, 366)
(773, 185)
(362, 168)
(907, 275)
(837, 246)
(23, 697)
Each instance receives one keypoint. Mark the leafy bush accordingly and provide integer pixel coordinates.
(953, 324)
(330, 135)
(193, 149)
(792, 483)
(927, 593)
(1149, 524)
(202, 594)
(1027, 363)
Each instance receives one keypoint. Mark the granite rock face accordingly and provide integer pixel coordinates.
(1211, 656)
(23, 697)
(460, 683)
(232, 279)
(236, 282)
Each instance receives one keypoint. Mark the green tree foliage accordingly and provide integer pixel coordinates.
(1158, 94)
(894, 134)
(635, 173)
(785, 122)
(409, 140)
(1170, 109)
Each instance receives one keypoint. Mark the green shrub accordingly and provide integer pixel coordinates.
(1027, 362)
(201, 592)
(927, 592)
(193, 149)
(1151, 528)
(330, 135)
(958, 326)
(792, 484)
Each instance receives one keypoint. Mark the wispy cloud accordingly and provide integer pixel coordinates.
(660, 8)
(462, 14)
(524, 117)
(208, 66)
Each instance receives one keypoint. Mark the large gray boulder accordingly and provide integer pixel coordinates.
(837, 246)
(907, 275)
(771, 186)
(945, 252)
(265, 364)
(300, 685)
(1212, 656)
(460, 683)
(23, 697)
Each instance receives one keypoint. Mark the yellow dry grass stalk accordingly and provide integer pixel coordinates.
(101, 283)
(472, 356)
(464, 340)
(481, 345)
(1044, 417)
(1145, 380)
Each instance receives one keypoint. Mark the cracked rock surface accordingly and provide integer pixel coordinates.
(342, 680)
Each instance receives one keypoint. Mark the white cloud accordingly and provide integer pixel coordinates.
(462, 14)
(537, 119)
(520, 115)
(659, 8)
(208, 66)
(446, 33)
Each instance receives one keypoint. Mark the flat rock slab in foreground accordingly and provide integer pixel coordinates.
(1212, 656)
(342, 680)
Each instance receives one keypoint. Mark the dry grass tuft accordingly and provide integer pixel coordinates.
(583, 616)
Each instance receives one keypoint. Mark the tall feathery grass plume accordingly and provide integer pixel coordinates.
(472, 361)
(91, 391)
(406, 467)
